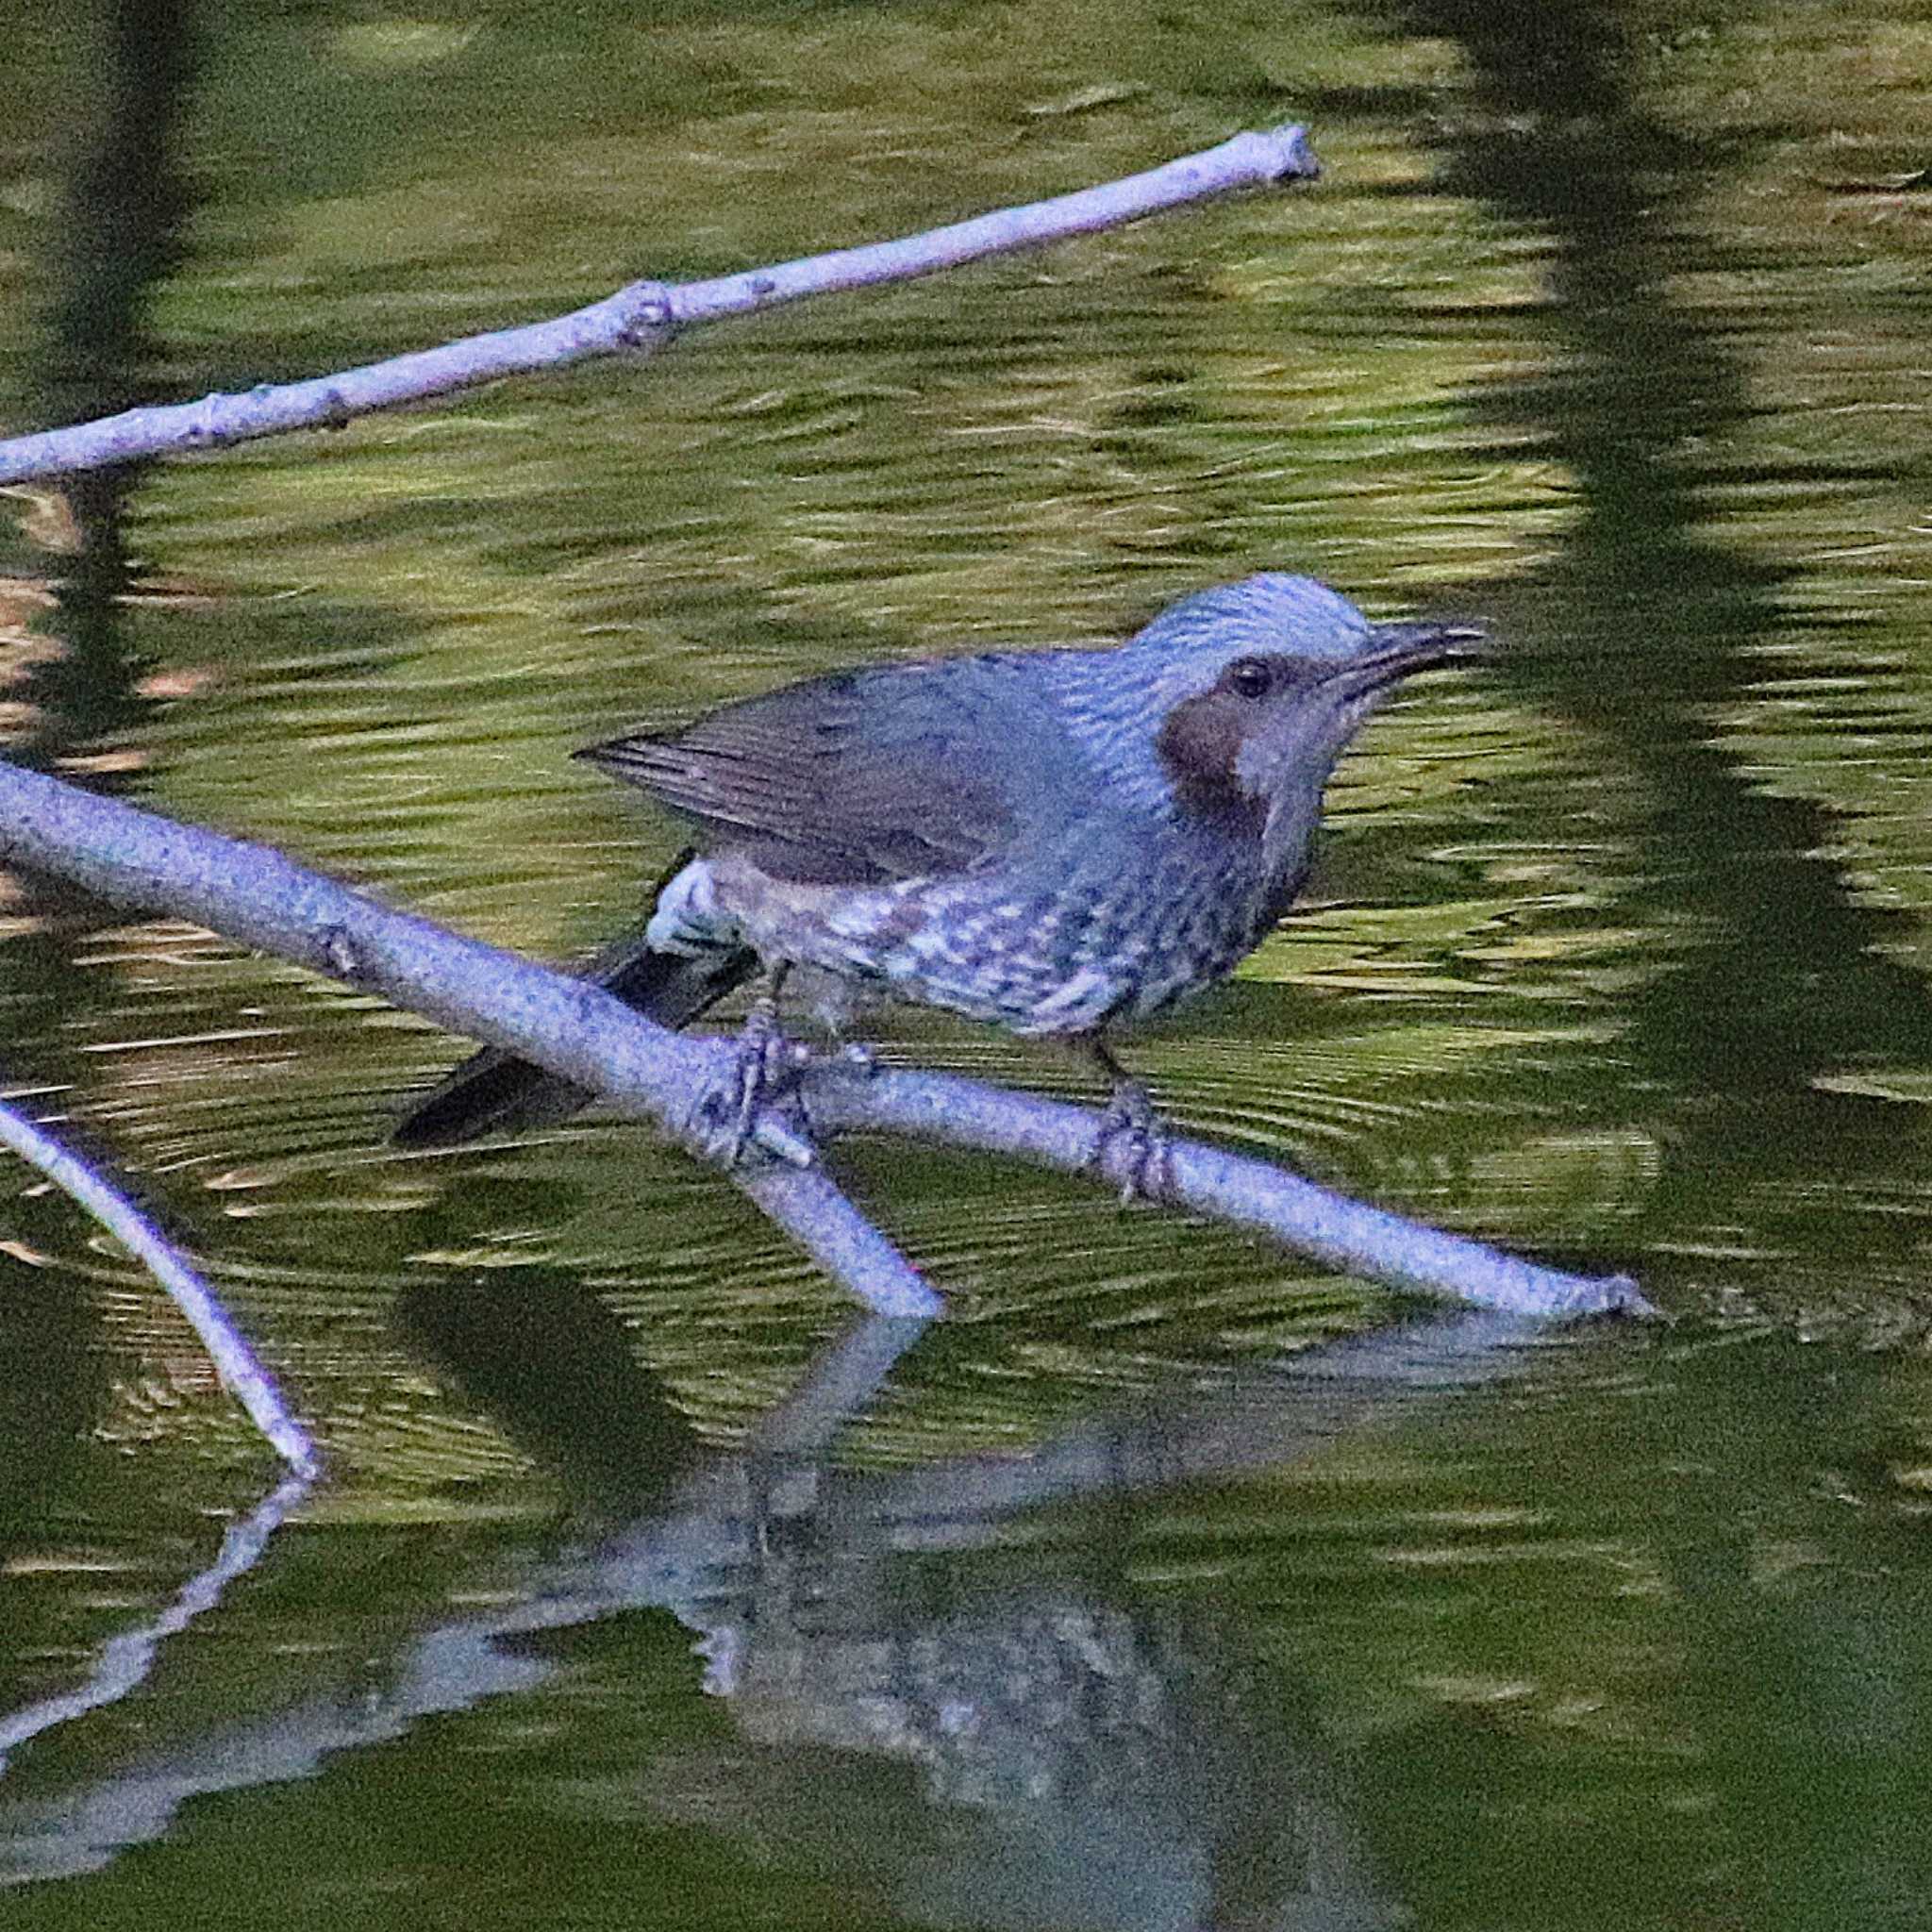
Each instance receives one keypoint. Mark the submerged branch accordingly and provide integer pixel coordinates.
(640, 317)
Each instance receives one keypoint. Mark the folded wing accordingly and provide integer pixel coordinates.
(895, 772)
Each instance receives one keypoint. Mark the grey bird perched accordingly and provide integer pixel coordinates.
(1061, 843)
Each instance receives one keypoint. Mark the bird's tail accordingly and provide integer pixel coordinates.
(494, 1092)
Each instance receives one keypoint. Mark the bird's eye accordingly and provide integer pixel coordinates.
(1249, 677)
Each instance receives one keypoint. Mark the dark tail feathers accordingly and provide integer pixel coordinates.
(494, 1092)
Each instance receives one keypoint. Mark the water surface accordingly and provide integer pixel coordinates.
(1117, 1601)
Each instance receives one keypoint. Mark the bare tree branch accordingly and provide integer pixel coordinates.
(257, 897)
(242, 1374)
(640, 317)
(1313, 1219)
(253, 894)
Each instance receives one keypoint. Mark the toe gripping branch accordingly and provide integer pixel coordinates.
(756, 1102)
(1133, 1146)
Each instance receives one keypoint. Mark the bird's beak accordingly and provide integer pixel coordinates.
(1399, 650)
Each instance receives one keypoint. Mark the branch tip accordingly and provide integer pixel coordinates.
(1295, 159)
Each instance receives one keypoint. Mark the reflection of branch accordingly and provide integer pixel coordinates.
(844, 1377)
(639, 319)
(125, 1660)
(843, 1632)
(571, 1028)
(1266, 1420)
(241, 1374)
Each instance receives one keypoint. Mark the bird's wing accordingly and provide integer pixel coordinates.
(901, 772)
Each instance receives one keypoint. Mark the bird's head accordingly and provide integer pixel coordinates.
(1258, 686)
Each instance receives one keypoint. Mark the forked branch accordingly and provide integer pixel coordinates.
(255, 895)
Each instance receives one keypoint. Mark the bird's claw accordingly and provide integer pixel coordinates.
(741, 1111)
(1133, 1143)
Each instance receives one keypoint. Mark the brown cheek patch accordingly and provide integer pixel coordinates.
(1198, 745)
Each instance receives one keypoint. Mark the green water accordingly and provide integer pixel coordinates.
(1609, 324)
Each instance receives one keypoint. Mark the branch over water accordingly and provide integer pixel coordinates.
(640, 317)
(255, 895)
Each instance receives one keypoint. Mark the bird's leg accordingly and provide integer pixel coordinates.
(759, 1048)
(760, 1072)
(1131, 1118)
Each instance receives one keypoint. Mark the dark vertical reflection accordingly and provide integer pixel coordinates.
(115, 238)
(1646, 626)
(1759, 1730)
(1802, 1585)
(1805, 1713)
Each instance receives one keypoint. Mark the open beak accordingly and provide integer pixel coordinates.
(1400, 650)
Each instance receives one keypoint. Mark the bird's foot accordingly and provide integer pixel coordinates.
(1133, 1145)
(747, 1107)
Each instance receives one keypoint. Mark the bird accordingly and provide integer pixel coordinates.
(1062, 843)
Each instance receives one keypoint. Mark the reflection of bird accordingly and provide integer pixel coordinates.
(1057, 841)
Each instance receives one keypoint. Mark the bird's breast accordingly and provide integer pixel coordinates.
(1116, 931)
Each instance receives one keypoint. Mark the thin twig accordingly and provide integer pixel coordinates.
(241, 1371)
(640, 317)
